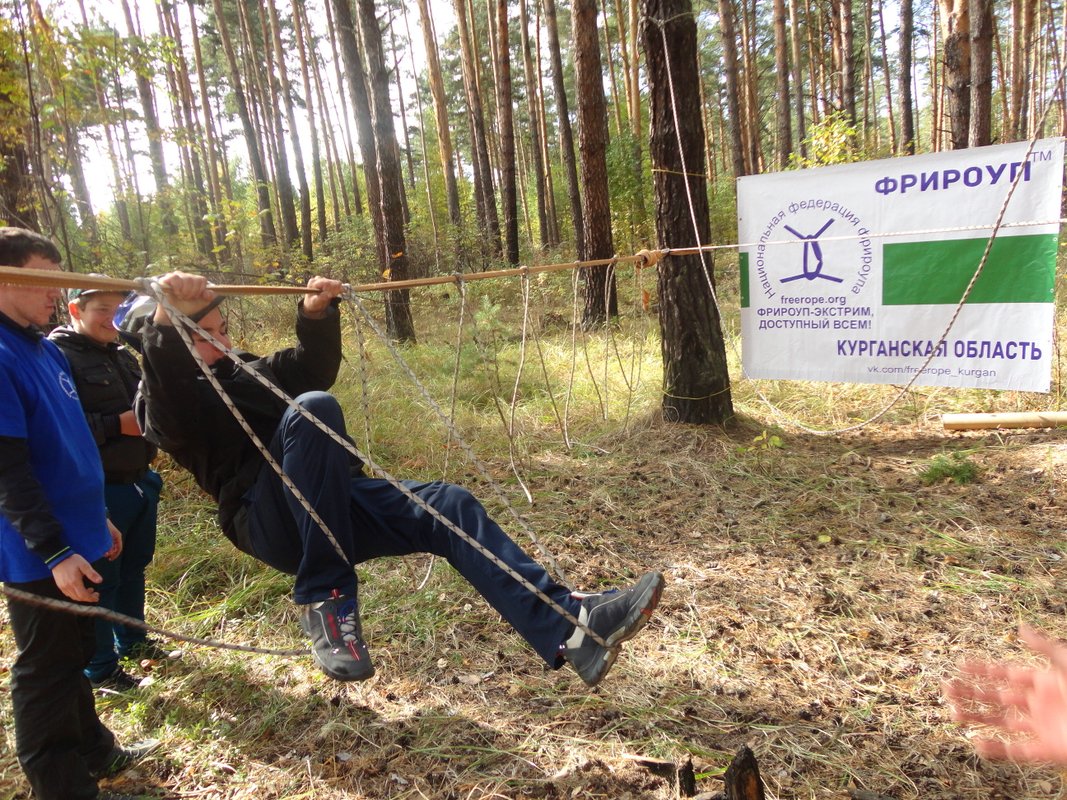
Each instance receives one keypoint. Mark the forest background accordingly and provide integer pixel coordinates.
(246, 137)
(819, 587)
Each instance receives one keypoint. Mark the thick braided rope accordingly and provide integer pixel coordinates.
(154, 289)
(355, 302)
(364, 380)
(98, 612)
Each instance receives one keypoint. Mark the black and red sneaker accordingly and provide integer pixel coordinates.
(616, 616)
(337, 637)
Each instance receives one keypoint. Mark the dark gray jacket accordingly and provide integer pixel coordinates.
(106, 377)
(180, 411)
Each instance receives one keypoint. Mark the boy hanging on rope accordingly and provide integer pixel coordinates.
(367, 517)
(54, 537)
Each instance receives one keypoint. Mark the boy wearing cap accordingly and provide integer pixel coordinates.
(368, 518)
(106, 375)
(54, 536)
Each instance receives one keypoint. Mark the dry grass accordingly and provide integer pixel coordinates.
(818, 593)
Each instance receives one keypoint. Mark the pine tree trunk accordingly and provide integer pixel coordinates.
(956, 34)
(398, 320)
(1024, 81)
(440, 109)
(533, 105)
(870, 93)
(907, 113)
(272, 109)
(601, 302)
(695, 377)
(142, 238)
(848, 61)
(285, 90)
(334, 168)
(346, 34)
(888, 83)
(553, 234)
(781, 68)
(192, 137)
(751, 115)
(259, 173)
(981, 33)
(218, 204)
(798, 83)
(316, 157)
(430, 206)
(733, 90)
(565, 134)
(505, 117)
(349, 151)
(483, 171)
(613, 80)
(152, 129)
(409, 161)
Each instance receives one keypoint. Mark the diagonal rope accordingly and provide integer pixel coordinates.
(483, 471)
(512, 446)
(99, 612)
(156, 290)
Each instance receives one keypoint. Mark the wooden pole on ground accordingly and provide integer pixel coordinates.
(1026, 419)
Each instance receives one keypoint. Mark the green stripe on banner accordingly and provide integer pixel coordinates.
(743, 263)
(1020, 269)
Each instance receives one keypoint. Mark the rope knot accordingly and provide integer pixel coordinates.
(149, 286)
(650, 258)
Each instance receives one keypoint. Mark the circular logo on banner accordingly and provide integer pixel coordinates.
(814, 247)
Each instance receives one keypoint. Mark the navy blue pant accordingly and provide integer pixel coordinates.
(58, 737)
(371, 518)
(132, 508)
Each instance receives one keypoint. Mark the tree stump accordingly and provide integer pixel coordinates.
(742, 777)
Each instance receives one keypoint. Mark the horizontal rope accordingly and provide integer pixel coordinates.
(22, 276)
(25, 276)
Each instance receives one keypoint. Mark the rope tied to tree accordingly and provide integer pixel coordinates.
(650, 258)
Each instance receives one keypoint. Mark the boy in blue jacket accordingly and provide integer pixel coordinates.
(53, 529)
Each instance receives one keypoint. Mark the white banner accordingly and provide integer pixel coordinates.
(852, 273)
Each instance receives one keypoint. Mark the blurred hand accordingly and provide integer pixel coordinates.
(70, 575)
(325, 290)
(1015, 700)
(128, 424)
(183, 288)
(116, 542)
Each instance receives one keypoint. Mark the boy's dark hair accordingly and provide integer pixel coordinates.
(18, 245)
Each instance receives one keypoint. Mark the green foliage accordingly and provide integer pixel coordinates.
(628, 186)
(833, 140)
(955, 466)
(763, 443)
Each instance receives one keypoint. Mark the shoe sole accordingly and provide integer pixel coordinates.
(366, 674)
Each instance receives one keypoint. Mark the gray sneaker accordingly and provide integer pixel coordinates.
(121, 758)
(337, 638)
(615, 616)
